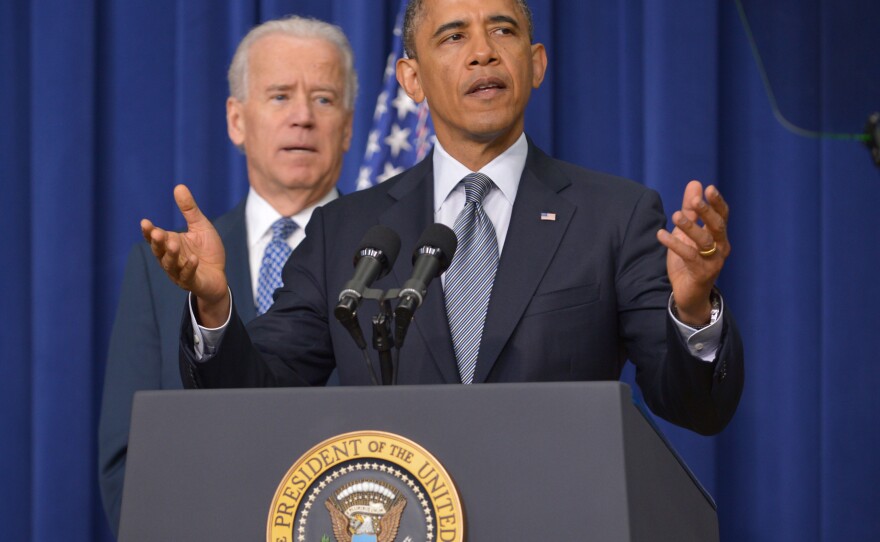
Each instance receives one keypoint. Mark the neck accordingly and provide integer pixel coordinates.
(292, 202)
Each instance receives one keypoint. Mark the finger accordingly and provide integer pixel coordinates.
(712, 212)
(157, 239)
(715, 224)
(717, 202)
(673, 243)
(701, 237)
(168, 259)
(188, 207)
(172, 261)
(693, 192)
(146, 229)
(188, 271)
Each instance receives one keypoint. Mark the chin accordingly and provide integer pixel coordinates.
(299, 184)
(487, 131)
(296, 175)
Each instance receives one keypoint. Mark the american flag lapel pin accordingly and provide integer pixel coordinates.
(548, 216)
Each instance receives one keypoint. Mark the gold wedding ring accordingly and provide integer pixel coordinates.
(711, 251)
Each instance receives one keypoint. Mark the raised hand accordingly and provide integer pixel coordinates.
(696, 252)
(194, 260)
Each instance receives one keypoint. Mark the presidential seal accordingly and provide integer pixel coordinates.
(366, 486)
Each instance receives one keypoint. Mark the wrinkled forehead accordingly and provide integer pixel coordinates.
(302, 47)
(276, 54)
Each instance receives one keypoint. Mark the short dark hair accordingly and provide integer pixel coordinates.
(415, 9)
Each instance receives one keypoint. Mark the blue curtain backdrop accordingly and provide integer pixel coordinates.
(106, 104)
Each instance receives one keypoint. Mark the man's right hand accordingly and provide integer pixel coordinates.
(194, 260)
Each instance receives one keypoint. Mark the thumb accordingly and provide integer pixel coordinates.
(188, 207)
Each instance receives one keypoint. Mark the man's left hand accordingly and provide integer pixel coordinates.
(696, 252)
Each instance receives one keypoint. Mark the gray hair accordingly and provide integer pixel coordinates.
(297, 27)
(415, 9)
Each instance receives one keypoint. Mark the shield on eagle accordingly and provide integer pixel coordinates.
(366, 511)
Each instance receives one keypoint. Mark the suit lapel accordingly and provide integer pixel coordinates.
(232, 229)
(409, 215)
(528, 250)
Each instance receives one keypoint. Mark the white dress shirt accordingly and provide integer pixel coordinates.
(259, 216)
(505, 172)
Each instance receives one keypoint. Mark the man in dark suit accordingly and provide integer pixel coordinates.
(292, 90)
(581, 273)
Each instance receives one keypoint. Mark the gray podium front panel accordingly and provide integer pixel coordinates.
(556, 461)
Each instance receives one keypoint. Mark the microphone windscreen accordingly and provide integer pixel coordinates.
(438, 236)
(383, 239)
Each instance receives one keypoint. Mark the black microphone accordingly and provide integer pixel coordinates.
(431, 257)
(373, 260)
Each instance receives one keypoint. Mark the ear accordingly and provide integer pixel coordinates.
(408, 77)
(539, 64)
(347, 131)
(235, 121)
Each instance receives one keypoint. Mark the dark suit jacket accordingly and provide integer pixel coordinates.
(143, 352)
(573, 299)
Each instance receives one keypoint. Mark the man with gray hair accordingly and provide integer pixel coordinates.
(292, 90)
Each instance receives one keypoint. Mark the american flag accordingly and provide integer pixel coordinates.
(402, 132)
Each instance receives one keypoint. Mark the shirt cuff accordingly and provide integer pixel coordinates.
(206, 339)
(703, 343)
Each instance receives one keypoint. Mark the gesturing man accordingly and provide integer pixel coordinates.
(576, 272)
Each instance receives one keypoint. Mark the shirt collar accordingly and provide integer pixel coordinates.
(260, 215)
(505, 171)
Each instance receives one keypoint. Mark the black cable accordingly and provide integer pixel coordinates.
(370, 367)
(791, 127)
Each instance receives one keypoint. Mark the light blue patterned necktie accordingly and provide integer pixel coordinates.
(468, 283)
(277, 252)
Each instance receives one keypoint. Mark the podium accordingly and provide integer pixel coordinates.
(542, 462)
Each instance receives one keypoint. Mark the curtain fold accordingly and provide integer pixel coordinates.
(107, 105)
(15, 288)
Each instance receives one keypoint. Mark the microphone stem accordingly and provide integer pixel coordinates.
(383, 342)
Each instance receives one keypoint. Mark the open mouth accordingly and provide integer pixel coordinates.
(486, 86)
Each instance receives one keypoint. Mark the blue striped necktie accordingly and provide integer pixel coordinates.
(277, 252)
(469, 280)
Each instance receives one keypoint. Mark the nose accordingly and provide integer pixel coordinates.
(301, 112)
(482, 50)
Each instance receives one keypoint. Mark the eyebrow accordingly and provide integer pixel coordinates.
(451, 25)
(278, 88)
(287, 87)
(458, 24)
(504, 19)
